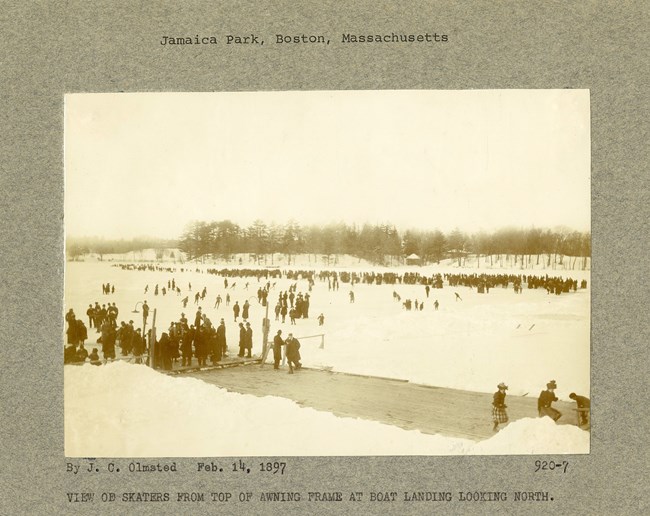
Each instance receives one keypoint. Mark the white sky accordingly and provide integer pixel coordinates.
(149, 163)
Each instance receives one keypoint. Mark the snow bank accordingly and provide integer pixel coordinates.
(126, 410)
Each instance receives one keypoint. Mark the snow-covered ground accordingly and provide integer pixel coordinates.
(523, 339)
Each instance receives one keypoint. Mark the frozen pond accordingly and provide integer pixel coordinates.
(522, 339)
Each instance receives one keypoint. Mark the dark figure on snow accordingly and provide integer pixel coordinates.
(321, 320)
(145, 313)
(108, 341)
(436, 305)
(200, 345)
(222, 346)
(245, 308)
(82, 332)
(94, 357)
(163, 347)
(584, 405)
(249, 340)
(277, 349)
(235, 310)
(82, 353)
(72, 327)
(351, 297)
(546, 398)
(69, 354)
(137, 345)
(242, 340)
(186, 347)
(457, 296)
(499, 414)
(91, 315)
(293, 353)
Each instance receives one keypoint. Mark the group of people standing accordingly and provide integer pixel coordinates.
(544, 405)
(296, 306)
(292, 351)
(185, 341)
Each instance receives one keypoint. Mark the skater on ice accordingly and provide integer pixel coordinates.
(499, 414)
(277, 349)
(584, 406)
(546, 398)
(293, 353)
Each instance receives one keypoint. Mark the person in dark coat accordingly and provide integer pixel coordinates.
(94, 357)
(242, 340)
(213, 346)
(198, 318)
(546, 398)
(82, 332)
(277, 349)
(499, 414)
(72, 328)
(91, 315)
(222, 345)
(108, 340)
(293, 353)
(584, 405)
(186, 350)
(249, 340)
(70, 354)
(164, 344)
(200, 345)
(245, 309)
(174, 341)
(145, 313)
(136, 345)
(235, 310)
(82, 353)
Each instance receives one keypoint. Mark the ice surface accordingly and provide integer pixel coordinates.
(127, 410)
(523, 339)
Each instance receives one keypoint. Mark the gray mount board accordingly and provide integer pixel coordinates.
(53, 48)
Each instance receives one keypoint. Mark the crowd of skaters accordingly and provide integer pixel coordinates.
(182, 341)
(200, 340)
(553, 284)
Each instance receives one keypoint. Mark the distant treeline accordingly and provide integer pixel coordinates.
(77, 247)
(380, 244)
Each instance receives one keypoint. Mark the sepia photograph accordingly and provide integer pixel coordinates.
(327, 273)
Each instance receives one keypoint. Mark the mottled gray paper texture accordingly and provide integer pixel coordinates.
(50, 49)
